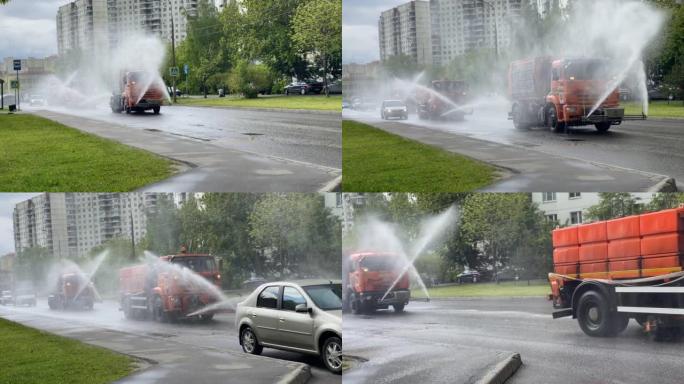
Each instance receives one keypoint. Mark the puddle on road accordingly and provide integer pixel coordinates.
(252, 134)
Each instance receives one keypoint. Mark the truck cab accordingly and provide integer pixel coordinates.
(369, 282)
(576, 86)
(171, 288)
(140, 91)
(72, 291)
(443, 100)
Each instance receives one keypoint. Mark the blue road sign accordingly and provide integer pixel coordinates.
(17, 65)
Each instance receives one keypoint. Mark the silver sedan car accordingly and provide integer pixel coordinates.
(300, 316)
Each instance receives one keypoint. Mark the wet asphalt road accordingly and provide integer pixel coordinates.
(459, 340)
(219, 334)
(314, 138)
(653, 145)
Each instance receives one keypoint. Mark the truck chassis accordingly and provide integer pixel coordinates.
(603, 307)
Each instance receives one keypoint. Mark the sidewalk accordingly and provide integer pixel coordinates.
(532, 170)
(169, 362)
(211, 168)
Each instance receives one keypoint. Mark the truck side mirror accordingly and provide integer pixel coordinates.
(302, 308)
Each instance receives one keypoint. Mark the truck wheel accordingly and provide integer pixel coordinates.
(206, 318)
(552, 120)
(602, 127)
(398, 308)
(126, 307)
(156, 110)
(158, 310)
(518, 118)
(332, 354)
(594, 316)
(620, 323)
(249, 342)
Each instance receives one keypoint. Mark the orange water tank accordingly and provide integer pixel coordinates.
(563, 237)
(623, 228)
(593, 252)
(624, 248)
(565, 255)
(662, 244)
(592, 233)
(669, 220)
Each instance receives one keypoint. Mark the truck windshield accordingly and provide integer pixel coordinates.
(138, 77)
(586, 70)
(375, 263)
(327, 297)
(394, 103)
(197, 264)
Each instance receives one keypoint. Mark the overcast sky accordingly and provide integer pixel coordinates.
(7, 202)
(360, 28)
(28, 28)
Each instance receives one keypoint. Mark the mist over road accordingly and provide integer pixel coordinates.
(447, 341)
(651, 148)
(218, 334)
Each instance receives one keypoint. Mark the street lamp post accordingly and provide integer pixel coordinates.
(173, 52)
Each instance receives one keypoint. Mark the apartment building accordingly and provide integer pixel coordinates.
(101, 25)
(405, 30)
(460, 26)
(69, 225)
(570, 207)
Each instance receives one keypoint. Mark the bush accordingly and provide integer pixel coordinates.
(279, 86)
(249, 79)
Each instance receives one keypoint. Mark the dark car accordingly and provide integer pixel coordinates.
(316, 87)
(300, 88)
(469, 277)
(394, 108)
(334, 88)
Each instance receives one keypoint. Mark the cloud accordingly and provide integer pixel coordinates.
(28, 28)
(360, 28)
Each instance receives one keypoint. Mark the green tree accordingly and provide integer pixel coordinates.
(317, 31)
(266, 36)
(297, 235)
(34, 264)
(662, 201)
(201, 49)
(250, 79)
(614, 205)
(163, 227)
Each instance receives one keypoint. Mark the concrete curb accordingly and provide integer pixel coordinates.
(286, 110)
(502, 371)
(334, 185)
(667, 184)
(299, 375)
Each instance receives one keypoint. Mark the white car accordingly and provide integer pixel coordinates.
(37, 101)
(300, 316)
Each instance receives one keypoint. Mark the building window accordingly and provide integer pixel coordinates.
(548, 197)
(552, 218)
(576, 217)
(575, 195)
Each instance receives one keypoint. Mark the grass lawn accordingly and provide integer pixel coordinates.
(40, 155)
(658, 109)
(509, 288)
(31, 356)
(376, 161)
(311, 102)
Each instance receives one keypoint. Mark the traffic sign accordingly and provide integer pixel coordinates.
(17, 65)
(186, 69)
(173, 71)
(14, 84)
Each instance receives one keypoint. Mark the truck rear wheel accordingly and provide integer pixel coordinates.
(398, 308)
(594, 316)
(518, 118)
(602, 127)
(156, 110)
(552, 120)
